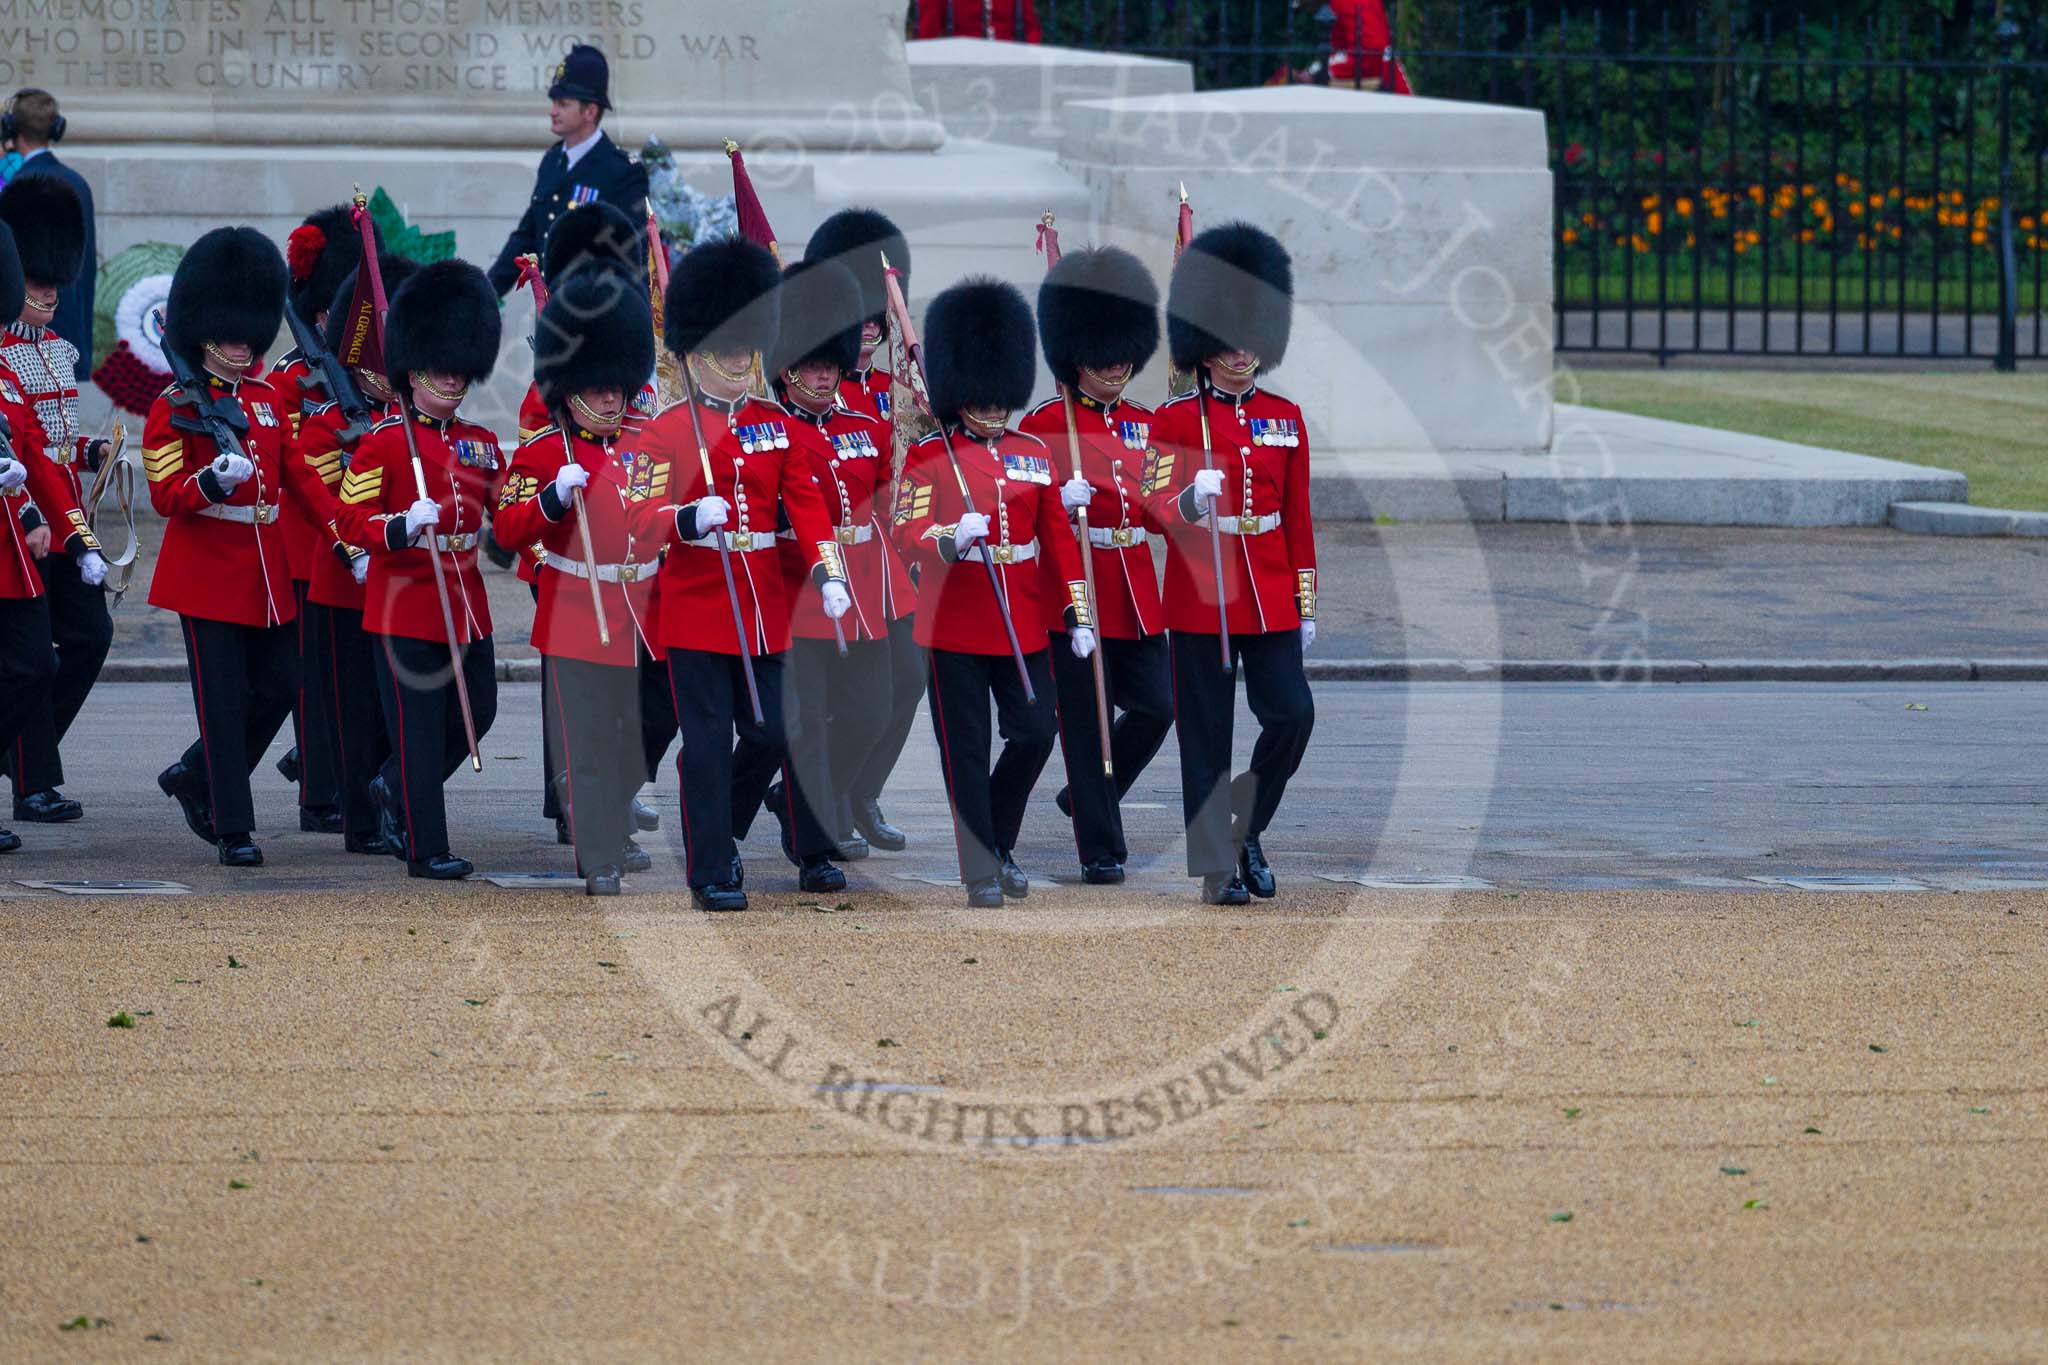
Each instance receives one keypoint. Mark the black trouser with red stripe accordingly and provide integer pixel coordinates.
(906, 690)
(1223, 812)
(593, 717)
(243, 682)
(313, 709)
(722, 781)
(657, 714)
(1139, 679)
(336, 646)
(81, 631)
(424, 719)
(988, 805)
(26, 666)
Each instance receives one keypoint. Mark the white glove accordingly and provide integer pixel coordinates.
(1083, 640)
(230, 471)
(13, 474)
(838, 601)
(1208, 487)
(92, 568)
(973, 527)
(359, 569)
(568, 479)
(421, 515)
(712, 513)
(1308, 636)
(1076, 492)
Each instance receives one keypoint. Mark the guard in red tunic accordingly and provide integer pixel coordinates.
(440, 337)
(223, 565)
(49, 229)
(981, 361)
(332, 633)
(995, 20)
(1098, 323)
(26, 665)
(596, 234)
(858, 239)
(320, 253)
(721, 314)
(1228, 316)
(583, 475)
(839, 704)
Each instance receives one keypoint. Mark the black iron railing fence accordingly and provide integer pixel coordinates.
(1814, 189)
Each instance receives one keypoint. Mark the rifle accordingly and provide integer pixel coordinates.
(333, 376)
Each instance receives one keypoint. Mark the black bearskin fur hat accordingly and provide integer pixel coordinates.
(49, 228)
(723, 296)
(596, 233)
(444, 318)
(1233, 290)
(1097, 309)
(321, 252)
(821, 317)
(597, 332)
(858, 239)
(230, 287)
(978, 345)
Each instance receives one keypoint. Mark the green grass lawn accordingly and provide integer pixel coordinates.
(1992, 427)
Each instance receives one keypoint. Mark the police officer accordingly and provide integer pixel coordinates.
(721, 315)
(1234, 454)
(583, 167)
(223, 564)
(593, 349)
(441, 337)
(981, 362)
(1098, 323)
(48, 222)
(858, 238)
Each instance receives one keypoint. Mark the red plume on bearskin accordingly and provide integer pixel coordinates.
(302, 250)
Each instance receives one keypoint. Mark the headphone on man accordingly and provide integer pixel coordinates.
(10, 127)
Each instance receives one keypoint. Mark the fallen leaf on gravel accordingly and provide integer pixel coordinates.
(1815, 1131)
(1562, 1217)
(235, 962)
(970, 961)
(1754, 1204)
(1874, 1047)
(81, 1323)
(238, 1184)
(1298, 1223)
(887, 1042)
(1573, 1113)
(467, 1001)
(1734, 1170)
(121, 1020)
(1980, 1110)
(1747, 1023)
(1770, 1080)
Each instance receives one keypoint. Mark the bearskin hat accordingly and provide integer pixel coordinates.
(723, 296)
(858, 239)
(1232, 290)
(13, 290)
(321, 251)
(393, 270)
(49, 228)
(1097, 309)
(597, 332)
(597, 233)
(978, 347)
(821, 317)
(444, 318)
(229, 287)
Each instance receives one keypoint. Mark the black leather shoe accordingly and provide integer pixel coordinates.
(50, 807)
(288, 766)
(1252, 867)
(634, 858)
(1015, 884)
(869, 821)
(9, 841)
(603, 882)
(718, 899)
(373, 843)
(442, 867)
(985, 895)
(388, 826)
(851, 849)
(562, 835)
(1102, 872)
(646, 818)
(239, 850)
(1065, 801)
(320, 819)
(1224, 888)
(177, 782)
(818, 874)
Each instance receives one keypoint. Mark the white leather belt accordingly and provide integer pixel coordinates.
(1003, 554)
(1116, 537)
(455, 545)
(606, 573)
(260, 514)
(1248, 526)
(845, 535)
(739, 542)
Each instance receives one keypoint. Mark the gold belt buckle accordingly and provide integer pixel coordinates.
(1005, 554)
(629, 573)
(742, 540)
(266, 513)
(1247, 526)
(70, 456)
(847, 535)
(458, 544)
(1121, 538)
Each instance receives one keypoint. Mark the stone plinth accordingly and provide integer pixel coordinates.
(1013, 92)
(1420, 231)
